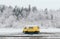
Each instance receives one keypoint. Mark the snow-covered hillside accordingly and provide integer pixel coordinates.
(18, 17)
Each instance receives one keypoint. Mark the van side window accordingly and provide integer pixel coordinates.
(38, 27)
(31, 27)
(25, 28)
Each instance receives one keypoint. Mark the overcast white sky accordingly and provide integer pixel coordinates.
(50, 4)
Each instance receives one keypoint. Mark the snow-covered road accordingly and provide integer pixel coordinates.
(50, 30)
(10, 31)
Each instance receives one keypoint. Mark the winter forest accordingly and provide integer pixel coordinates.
(17, 17)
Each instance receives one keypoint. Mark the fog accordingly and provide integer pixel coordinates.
(19, 16)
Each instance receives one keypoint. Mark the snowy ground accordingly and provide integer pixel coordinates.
(8, 31)
(47, 33)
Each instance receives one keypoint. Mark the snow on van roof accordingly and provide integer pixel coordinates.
(30, 25)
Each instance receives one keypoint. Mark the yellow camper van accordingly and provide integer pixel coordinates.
(31, 30)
